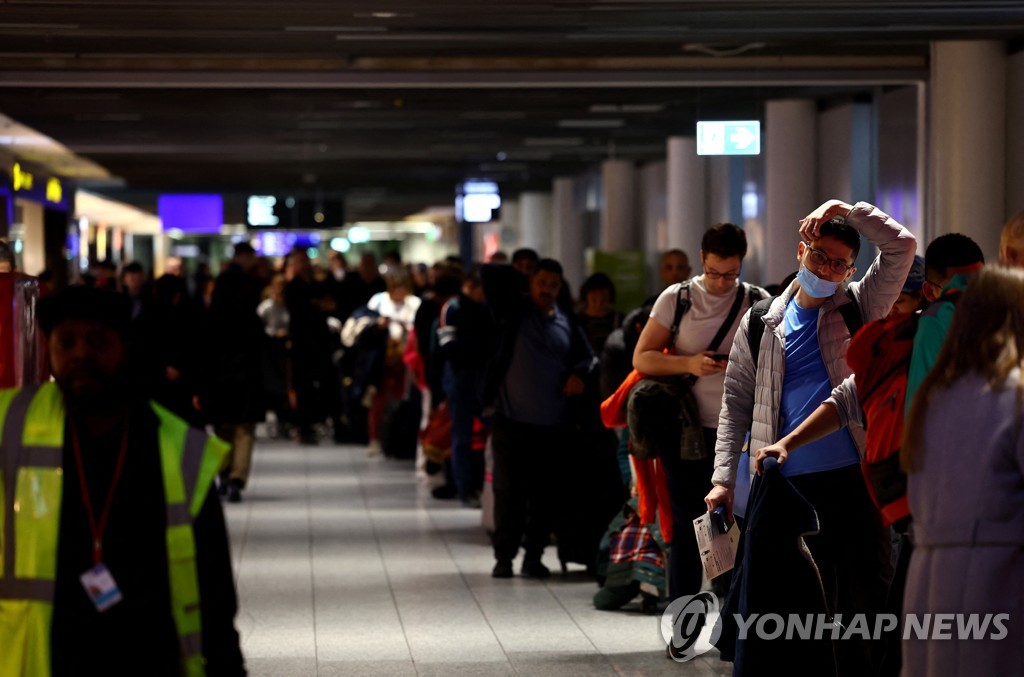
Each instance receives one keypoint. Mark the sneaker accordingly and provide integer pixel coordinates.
(234, 491)
(471, 500)
(502, 569)
(373, 448)
(534, 568)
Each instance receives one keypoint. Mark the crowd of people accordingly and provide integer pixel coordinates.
(443, 363)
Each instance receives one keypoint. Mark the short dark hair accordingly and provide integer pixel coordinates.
(88, 303)
(951, 250)
(724, 240)
(840, 230)
(549, 266)
(243, 248)
(526, 254)
(133, 267)
(448, 281)
(597, 282)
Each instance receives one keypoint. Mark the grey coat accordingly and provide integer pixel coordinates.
(967, 497)
(752, 404)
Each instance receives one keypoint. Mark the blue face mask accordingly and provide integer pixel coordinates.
(814, 286)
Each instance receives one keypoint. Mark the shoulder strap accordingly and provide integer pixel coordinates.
(755, 330)
(851, 315)
(682, 306)
(733, 312)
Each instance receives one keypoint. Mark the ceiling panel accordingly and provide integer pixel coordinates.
(401, 100)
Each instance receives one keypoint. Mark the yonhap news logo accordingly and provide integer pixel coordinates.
(691, 625)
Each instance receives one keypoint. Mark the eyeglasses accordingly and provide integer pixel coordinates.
(935, 286)
(715, 275)
(821, 259)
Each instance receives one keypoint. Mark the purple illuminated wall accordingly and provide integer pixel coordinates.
(191, 213)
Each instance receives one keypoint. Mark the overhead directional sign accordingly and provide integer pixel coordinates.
(729, 137)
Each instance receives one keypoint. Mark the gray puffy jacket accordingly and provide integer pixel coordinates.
(753, 405)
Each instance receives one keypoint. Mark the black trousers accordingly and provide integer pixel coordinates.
(853, 551)
(528, 471)
(688, 484)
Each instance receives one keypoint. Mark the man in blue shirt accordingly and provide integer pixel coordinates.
(542, 361)
(801, 358)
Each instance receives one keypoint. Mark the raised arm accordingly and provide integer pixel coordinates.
(880, 287)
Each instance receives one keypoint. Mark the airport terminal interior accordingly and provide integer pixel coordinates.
(161, 137)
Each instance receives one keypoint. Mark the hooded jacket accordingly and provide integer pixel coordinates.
(751, 402)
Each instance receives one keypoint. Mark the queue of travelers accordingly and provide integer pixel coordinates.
(445, 363)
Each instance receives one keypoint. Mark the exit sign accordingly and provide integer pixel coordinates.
(729, 137)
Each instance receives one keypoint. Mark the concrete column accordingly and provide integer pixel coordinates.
(510, 231)
(687, 197)
(967, 106)
(535, 222)
(1015, 134)
(618, 208)
(790, 190)
(847, 160)
(568, 230)
(902, 166)
(719, 190)
(33, 244)
(653, 217)
(833, 153)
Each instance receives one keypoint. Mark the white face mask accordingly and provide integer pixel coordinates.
(339, 274)
(814, 286)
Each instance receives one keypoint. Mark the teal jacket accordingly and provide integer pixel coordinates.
(932, 328)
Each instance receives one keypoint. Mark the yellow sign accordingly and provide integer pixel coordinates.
(22, 179)
(54, 191)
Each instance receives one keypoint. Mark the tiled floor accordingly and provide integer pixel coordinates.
(346, 566)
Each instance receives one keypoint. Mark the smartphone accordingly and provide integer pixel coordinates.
(718, 521)
(720, 357)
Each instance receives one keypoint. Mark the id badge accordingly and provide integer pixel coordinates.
(101, 587)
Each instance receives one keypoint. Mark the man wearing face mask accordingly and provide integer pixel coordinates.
(801, 359)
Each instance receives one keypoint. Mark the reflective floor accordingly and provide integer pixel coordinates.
(346, 566)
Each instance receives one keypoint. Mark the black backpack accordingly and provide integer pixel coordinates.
(661, 411)
(755, 329)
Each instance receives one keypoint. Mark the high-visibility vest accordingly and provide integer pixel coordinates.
(31, 481)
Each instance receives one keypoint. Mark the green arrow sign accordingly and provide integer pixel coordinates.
(729, 137)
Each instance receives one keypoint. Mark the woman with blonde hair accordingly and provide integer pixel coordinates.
(397, 311)
(964, 454)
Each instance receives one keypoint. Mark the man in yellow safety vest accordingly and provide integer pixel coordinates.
(114, 556)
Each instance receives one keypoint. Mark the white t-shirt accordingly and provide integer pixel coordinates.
(699, 326)
(401, 314)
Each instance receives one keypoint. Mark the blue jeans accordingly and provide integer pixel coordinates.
(460, 389)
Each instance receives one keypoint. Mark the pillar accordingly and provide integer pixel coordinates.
(790, 190)
(687, 197)
(967, 106)
(568, 230)
(653, 218)
(535, 222)
(1015, 134)
(618, 208)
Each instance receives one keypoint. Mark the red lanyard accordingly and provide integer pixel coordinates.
(98, 529)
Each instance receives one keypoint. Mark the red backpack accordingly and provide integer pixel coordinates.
(880, 358)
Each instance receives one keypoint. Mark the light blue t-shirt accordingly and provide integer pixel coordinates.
(804, 388)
